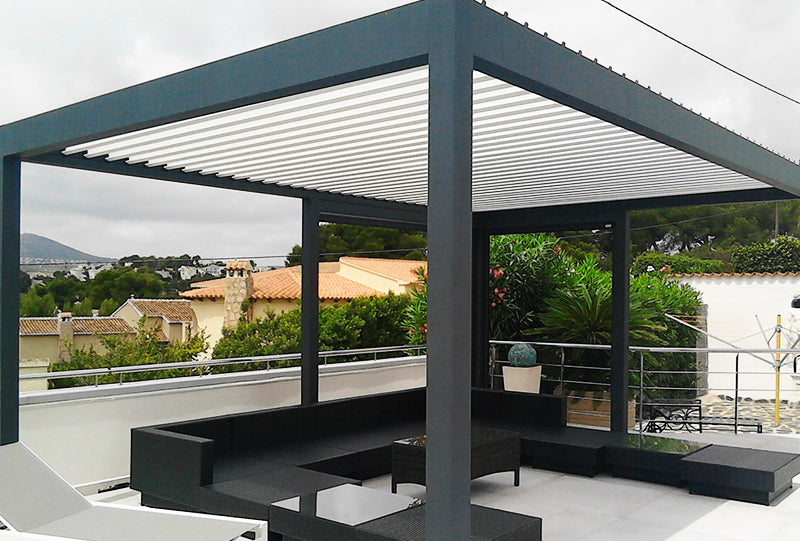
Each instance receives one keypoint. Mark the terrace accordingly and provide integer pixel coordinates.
(442, 115)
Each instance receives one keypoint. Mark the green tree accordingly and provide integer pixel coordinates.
(144, 348)
(123, 282)
(781, 256)
(33, 305)
(336, 240)
(25, 282)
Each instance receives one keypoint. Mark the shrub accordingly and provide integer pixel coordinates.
(655, 262)
(781, 256)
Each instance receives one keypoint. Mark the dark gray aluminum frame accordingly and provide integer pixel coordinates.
(453, 37)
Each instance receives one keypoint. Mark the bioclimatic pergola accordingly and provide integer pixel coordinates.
(441, 114)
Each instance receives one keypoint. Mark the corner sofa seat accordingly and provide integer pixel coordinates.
(238, 464)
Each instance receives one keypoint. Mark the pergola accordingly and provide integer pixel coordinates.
(441, 114)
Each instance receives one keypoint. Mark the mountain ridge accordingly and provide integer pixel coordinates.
(36, 249)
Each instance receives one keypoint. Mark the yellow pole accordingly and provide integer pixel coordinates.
(778, 377)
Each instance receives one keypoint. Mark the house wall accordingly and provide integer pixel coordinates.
(733, 304)
(371, 279)
(38, 347)
(129, 314)
(210, 316)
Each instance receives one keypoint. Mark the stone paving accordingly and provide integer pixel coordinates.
(763, 410)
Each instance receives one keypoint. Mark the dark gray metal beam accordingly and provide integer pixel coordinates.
(382, 43)
(333, 204)
(593, 215)
(449, 271)
(480, 309)
(309, 337)
(510, 51)
(9, 300)
(620, 321)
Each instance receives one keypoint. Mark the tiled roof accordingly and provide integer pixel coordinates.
(31, 326)
(734, 274)
(404, 270)
(239, 264)
(175, 310)
(286, 284)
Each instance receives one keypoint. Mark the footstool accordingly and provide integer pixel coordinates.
(735, 473)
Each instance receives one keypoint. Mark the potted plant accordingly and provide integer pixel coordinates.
(522, 373)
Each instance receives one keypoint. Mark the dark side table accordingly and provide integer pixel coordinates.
(492, 450)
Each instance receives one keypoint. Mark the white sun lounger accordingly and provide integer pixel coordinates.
(34, 499)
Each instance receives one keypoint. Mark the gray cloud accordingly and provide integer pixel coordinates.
(57, 52)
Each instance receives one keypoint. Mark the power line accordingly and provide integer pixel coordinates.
(717, 62)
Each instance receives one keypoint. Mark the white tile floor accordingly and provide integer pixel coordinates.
(575, 508)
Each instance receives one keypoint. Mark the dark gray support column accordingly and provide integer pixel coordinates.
(620, 302)
(9, 300)
(449, 271)
(309, 304)
(480, 310)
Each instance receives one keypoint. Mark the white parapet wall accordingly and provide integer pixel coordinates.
(736, 304)
(84, 433)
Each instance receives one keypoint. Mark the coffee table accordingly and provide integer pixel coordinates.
(493, 450)
(333, 513)
(649, 458)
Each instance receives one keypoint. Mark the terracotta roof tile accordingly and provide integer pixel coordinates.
(734, 274)
(238, 264)
(404, 270)
(175, 310)
(286, 284)
(80, 325)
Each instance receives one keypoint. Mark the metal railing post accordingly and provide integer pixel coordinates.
(561, 375)
(736, 399)
(641, 390)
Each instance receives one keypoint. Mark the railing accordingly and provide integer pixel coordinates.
(203, 367)
(648, 383)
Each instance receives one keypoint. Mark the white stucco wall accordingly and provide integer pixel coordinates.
(733, 303)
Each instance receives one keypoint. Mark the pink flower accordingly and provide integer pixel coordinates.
(494, 304)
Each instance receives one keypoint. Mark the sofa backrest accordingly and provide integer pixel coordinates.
(525, 408)
(218, 429)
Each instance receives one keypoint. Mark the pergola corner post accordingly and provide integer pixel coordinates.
(309, 304)
(449, 271)
(620, 325)
(10, 176)
(480, 312)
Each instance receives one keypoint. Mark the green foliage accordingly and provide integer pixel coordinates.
(336, 240)
(781, 256)
(31, 304)
(657, 262)
(362, 323)
(723, 226)
(107, 291)
(415, 317)
(525, 269)
(25, 282)
(123, 350)
(123, 282)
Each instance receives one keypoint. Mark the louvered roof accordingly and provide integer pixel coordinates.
(370, 139)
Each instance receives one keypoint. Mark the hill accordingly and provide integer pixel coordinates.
(35, 249)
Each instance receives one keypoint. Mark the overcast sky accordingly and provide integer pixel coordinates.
(56, 52)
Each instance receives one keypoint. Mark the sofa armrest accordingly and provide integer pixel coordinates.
(167, 464)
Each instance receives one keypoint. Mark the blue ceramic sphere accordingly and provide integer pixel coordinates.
(522, 355)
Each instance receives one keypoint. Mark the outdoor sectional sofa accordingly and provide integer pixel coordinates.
(238, 464)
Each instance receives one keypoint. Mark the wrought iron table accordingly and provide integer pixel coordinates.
(493, 450)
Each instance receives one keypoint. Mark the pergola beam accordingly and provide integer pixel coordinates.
(510, 51)
(382, 43)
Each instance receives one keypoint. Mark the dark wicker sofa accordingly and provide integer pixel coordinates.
(237, 464)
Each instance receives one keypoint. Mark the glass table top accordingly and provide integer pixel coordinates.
(659, 444)
(480, 435)
(349, 504)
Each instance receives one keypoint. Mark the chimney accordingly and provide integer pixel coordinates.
(95, 313)
(66, 335)
(238, 289)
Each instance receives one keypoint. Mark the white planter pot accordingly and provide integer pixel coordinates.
(525, 379)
